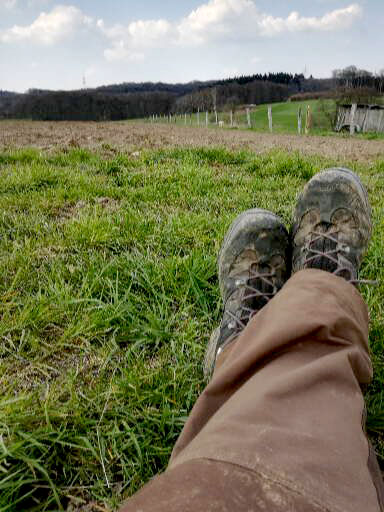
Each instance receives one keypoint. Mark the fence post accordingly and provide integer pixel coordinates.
(299, 120)
(270, 118)
(206, 118)
(248, 118)
(216, 117)
(352, 119)
(231, 118)
(308, 120)
(198, 117)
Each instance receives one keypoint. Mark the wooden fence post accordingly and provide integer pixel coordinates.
(270, 118)
(299, 120)
(308, 120)
(198, 117)
(231, 118)
(248, 118)
(216, 117)
(206, 118)
(352, 119)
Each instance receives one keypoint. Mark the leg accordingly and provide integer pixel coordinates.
(285, 400)
(279, 427)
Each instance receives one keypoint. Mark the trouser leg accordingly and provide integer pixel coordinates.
(283, 411)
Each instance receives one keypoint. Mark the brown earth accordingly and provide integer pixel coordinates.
(133, 136)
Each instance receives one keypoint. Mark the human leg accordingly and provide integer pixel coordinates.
(283, 413)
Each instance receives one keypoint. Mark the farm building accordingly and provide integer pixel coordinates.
(364, 118)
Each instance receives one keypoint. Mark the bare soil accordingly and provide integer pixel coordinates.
(133, 136)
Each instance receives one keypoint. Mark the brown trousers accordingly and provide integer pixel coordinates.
(280, 425)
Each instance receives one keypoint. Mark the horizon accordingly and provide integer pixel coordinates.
(229, 78)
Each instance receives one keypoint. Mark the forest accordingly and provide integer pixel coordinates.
(137, 100)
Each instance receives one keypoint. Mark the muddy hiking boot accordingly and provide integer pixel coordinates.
(332, 224)
(252, 268)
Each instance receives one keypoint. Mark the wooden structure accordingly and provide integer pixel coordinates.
(360, 118)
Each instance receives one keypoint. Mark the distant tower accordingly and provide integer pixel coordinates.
(84, 82)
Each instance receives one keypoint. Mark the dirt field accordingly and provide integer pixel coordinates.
(133, 136)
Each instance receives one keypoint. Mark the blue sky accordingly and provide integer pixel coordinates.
(54, 44)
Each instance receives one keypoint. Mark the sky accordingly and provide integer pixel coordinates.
(65, 44)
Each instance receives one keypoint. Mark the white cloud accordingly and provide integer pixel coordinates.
(48, 28)
(214, 21)
(335, 20)
(129, 41)
(241, 19)
(219, 19)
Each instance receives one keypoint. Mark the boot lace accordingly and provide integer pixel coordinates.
(331, 255)
(259, 289)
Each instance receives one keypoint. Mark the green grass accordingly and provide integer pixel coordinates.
(284, 116)
(107, 299)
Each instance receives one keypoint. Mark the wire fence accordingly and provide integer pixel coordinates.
(301, 119)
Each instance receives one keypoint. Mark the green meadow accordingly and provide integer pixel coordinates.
(284, 117)
(108, 296)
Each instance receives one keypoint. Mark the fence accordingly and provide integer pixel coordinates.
(299, 120)
(360, 118)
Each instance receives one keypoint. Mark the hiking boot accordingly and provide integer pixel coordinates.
(252, 269)
(332, 224)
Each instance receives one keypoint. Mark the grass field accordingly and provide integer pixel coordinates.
(284, 117)
(108, 296)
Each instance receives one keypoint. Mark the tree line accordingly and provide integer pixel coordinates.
(352, 77)
(137, 100)
(84, 105)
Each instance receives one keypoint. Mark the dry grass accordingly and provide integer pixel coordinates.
(110, 137)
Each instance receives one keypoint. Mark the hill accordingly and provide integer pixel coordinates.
(134, 100)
